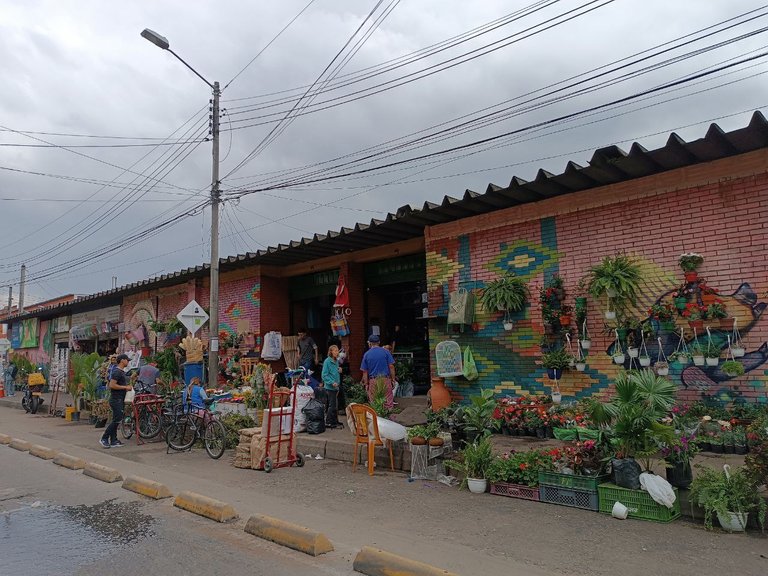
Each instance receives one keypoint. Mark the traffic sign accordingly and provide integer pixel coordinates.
(193, 317)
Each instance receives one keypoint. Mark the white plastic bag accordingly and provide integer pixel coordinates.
(272, 348)
(304, 394)
(390, 430)
(659, 489)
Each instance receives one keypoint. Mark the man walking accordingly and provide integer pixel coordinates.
(117, 387)
(308, 353)
(378, 362)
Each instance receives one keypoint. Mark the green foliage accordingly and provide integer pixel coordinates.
(354, 392)
(233, 423)
(379, 400)
(474, 459)
(716, 492)
(712, 350)
(619, 274)
(632, 417)
(166, 362)
(558, 359)
(84, 369)
(521, 467)
(23, 366)
(506, 294)
(756, 463)
(403, 370)
(733, 368)
(426, 431)
(478, 415)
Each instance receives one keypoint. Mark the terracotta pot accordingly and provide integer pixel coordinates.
(436, 442)
(440, 395)
(418, 441)
(708, 299)
(565, 320)
(697, 325)
(691, 276)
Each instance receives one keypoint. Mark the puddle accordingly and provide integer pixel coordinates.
(45, 540)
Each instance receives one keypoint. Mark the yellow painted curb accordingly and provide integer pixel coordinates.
(19, 444)
(204, 506)
(148, 488)
(42, 452)
(288, 534)
(375, 562)
(68, 461)
(5, 439)
(103, 473)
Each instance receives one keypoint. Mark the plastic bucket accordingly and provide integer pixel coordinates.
(619, 511)
(191, 370)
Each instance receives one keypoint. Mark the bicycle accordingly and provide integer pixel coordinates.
(196, 424)
(152, 422)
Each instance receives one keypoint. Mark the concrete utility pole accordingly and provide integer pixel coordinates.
(213, 323)
(10, 300)
(21, 287)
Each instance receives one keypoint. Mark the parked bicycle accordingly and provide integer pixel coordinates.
(194, 424)
(153, 419)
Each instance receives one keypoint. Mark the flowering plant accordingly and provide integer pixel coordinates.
(661, 312)
(522, 467)
(681, 450)
(705, 289)
(584, 458)
(690, 261)
(694, 312)
(717, 310)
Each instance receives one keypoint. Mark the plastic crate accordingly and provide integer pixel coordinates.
(573, 497)
(572, 481)
(515, 491)
(640, 504)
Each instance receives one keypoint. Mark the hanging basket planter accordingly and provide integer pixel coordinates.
(509, 325)
(610, 315)
(699, 360)
(738, 351)
(586, 344)
(581, 366)
(680, 302)
(633, 352)
(662, 368)
(645, 361)
(712, 361)
(691, 276)
(565, 320)
(554, 373)
(619, 358)
(697, 325)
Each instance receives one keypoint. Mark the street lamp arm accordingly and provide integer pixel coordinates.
(180, 59)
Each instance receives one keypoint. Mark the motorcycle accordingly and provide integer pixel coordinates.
(33, 393)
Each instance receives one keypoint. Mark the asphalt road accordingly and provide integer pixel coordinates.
(57, 521)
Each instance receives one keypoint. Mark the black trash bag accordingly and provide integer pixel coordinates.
(315, 414)
(626, 473)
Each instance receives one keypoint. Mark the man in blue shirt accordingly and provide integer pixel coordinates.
(378, 362)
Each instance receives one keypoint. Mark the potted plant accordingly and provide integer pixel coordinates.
(618, 356)
(679, 356)
(558, 286)
(555, 362)
(565, 315)
(662, 368)
(733, 368)
(632, 422)
(729, 495)
(690, 262)
(677, 457)
(474, 461)
(617, 278)
(477, 417)
(663, 314)
(417, 435)
(680, 297)
(716, 442)
(708, 294)
(712, 354)
(506, 294)
(697, 353)
(728, 441)
(739, 440)
(718, 312)
(581, 363)
(695, 315)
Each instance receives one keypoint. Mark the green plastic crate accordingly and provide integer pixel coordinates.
(640, 504)
(571, 481)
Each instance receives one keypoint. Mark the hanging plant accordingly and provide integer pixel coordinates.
(690, 262)
(618, 278)
(733, 368)
(506, 294)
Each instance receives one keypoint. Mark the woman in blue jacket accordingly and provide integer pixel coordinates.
(331, 378)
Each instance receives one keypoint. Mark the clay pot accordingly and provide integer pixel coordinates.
(565, 320)
(697, 325)
(436, 442)
(418, 441)
(440, 395)
(691, 276)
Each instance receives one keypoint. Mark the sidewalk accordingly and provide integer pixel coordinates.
(466, 533)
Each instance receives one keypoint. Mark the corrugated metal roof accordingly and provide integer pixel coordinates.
(608, 165)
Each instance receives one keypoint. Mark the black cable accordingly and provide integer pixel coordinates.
(13, 145)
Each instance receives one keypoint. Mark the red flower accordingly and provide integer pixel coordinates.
(523, 466)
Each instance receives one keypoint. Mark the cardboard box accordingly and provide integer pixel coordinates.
(259, 448)
(284, 424)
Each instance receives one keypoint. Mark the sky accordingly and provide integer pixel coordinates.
(105, 153)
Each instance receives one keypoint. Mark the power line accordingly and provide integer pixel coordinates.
(14, 145)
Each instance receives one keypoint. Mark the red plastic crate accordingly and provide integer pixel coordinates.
(515, 491)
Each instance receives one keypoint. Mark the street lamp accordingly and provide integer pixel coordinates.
(213, 326)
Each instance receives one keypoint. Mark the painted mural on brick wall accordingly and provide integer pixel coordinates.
(665, 323)
(240, 307)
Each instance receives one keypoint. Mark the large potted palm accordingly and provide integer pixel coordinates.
(618, 278)
(632, 422)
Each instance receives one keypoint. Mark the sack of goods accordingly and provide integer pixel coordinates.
(314, 412)
(304, 394)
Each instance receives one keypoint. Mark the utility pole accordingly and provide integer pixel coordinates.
(21, 287)
(10, 300)
(213, 324)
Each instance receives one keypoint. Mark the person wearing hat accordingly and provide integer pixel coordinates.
(118, 386)
(378, 362)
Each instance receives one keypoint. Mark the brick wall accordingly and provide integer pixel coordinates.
(702, 209)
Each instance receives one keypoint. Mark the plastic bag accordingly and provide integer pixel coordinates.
(390, 430)
(461, 309)
(304, 394)
(658, 488)
(469, 367)
(272, 348)
(314, 412)
(626, 473)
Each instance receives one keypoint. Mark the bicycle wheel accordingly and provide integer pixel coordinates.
(127, 427)
(149, 424)
(181, 435)
(215, 439)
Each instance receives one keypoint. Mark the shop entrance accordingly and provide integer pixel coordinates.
(395, 309)
(312, 298)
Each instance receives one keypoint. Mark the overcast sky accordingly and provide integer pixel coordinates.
(80, 67)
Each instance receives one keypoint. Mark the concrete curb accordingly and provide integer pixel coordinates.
(204, 506)
(5, 439)
(288, 534)
(103, 473)
(148, 488)
(42, 452)
(375, 562)
(19, 444)
(68, 461)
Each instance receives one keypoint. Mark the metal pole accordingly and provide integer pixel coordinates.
(10, 300)
(21, 287)
(213, 326)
